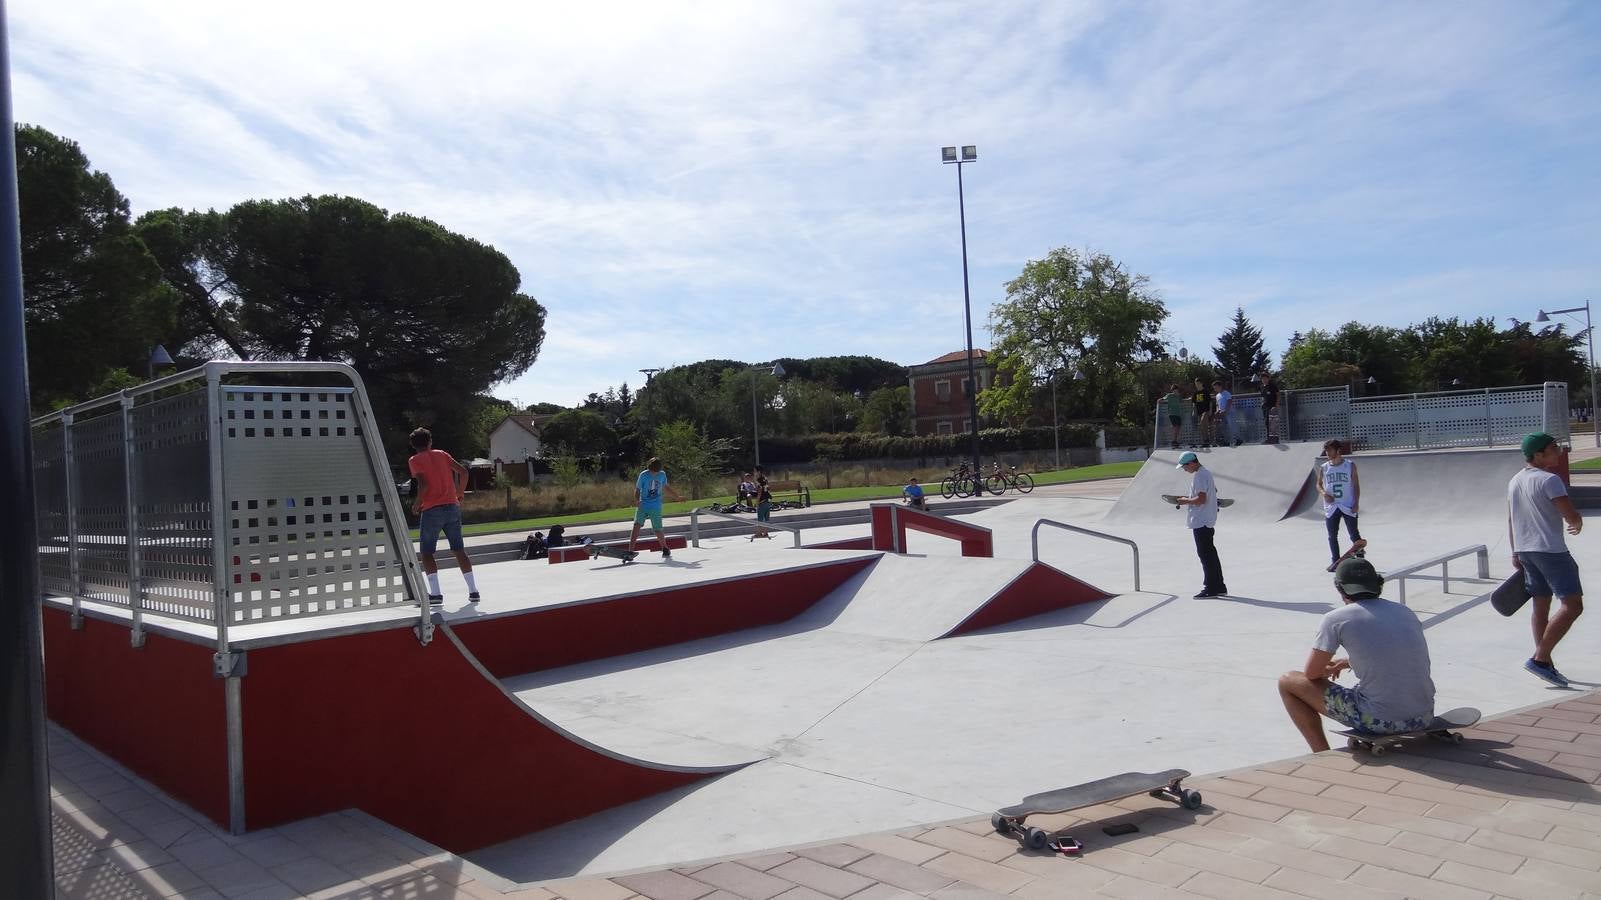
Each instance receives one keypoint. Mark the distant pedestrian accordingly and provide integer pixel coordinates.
(1202, 519)
(1224, 417)
(441, 484)
(1270, 407)
(1341, 490)
(1201, 398)
(1537, 506)
(649, 488)
(1175, 412)
(764, 510)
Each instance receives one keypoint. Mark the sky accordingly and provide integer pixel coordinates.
(695, 180)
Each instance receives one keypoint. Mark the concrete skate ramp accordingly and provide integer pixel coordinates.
(1428, 486)
(1264, 480)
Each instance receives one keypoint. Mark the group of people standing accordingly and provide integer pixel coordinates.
(1213, 412)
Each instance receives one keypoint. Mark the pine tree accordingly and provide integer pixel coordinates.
(1239, 350)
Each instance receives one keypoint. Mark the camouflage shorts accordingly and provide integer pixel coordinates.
(1345, 705)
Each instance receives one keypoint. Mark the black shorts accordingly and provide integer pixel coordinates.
(1175, 420)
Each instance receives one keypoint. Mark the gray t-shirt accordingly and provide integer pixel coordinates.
(1388, 653)
(1205, 515)
(1536, 523)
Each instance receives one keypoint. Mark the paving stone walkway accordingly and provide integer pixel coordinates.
(1514, 812)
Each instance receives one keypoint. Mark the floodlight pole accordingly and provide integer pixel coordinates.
(1589, 328)
(26, 864)
(969, 153)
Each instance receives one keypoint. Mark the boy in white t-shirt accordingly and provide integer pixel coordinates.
(1537, 506)
(1341, 490)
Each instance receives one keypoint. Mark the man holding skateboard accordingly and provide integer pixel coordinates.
(1202, 519)
(1386, 649)
(1341, 491)
(1537, 507)
(648, 491)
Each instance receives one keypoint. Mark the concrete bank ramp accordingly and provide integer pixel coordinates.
(1423, 487)
(1264, 480)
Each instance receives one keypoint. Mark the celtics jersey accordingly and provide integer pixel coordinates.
(1337, 482)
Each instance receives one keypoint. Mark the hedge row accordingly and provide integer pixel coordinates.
(852, 445)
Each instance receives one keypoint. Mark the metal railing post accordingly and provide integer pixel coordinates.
(694, 528)
(1484, 561)
(1034, 540)
(74, 571)
(130, 495)
(226, 664)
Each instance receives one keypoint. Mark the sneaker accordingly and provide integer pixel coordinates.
(666, 553)
(1361, 554)
(1545, 671)
(1205, 594)
(473, 597)
(1332, 566)
(436, 599)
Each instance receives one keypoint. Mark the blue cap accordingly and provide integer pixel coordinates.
(1186, 459)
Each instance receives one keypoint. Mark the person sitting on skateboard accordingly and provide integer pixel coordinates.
(1394, 693)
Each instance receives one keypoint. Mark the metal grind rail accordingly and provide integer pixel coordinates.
(1034, 539)
(1444, 562)
(694, 525)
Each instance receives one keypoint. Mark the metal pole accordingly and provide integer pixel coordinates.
(26, 863)
(755, 430)
(1056, 433)
(1594, 422)
(967, 314)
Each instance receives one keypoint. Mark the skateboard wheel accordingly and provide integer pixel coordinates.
(1353, 744)
(1378, 749)
(1191, 799)
(1035, 838)
(999, 823)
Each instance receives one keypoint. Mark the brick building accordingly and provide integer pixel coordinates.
(939, 392)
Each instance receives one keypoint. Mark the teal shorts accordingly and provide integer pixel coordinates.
(653, 512)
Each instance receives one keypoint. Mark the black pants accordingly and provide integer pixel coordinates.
(1333, 524)
(1211, 566)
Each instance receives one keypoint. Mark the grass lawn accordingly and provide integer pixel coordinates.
(1589, 465)
(829, 495)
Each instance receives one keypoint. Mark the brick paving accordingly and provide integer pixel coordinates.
(1513, 812)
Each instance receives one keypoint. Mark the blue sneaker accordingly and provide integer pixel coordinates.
(1546, 671)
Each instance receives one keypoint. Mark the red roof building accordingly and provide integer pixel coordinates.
(939, 390)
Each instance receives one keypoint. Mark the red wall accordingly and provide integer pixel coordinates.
(550, 638)
(418, 737)
(1040, 589)
(155, 709)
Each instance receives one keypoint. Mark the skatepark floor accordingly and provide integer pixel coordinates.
(885, 751)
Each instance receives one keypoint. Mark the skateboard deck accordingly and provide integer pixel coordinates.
(1357, 546)
(1510, 595)
(624, 554)
(1164, 785)
(1439, 729)
(1222, 502)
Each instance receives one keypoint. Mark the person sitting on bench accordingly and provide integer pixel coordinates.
(1394, 693)
(912, 495)
(535, 547)
(556, 539)
(747, 491)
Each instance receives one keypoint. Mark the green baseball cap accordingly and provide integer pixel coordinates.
(1357, 576)
(1536, 441)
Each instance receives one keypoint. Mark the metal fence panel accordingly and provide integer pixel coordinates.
(1248, 425)
(1452, 419)
(173, 489)
(100, 496)
(307, 530)
(1557, 414)
(1317, 415)
(51, 508)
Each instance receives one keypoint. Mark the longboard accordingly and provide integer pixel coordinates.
(1510, 595)
(1164, 785)
(1222, 502)
(1439, 729)
(627, 556)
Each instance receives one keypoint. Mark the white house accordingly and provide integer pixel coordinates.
(516, 438)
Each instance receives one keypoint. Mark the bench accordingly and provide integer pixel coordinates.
(790, 490)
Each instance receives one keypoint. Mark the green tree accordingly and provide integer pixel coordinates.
(93, 300)
(689, 456)
(1073, 313)
(1442, 351)
(190, 248)
(426, 316)
(1350, 356)
(1239, 349)
(888, 410)
(582, 432)
(544, 409)
(484, 415)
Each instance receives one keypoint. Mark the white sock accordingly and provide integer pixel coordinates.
(433, 583)
(472, 584)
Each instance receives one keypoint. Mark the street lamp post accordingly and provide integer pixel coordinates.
(158, 357)
(777, 371)
(1590, 329)
(969, 153)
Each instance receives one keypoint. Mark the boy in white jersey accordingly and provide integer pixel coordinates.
(1537, 507)
(1341, 491)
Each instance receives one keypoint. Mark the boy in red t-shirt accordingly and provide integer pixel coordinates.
(440, 483)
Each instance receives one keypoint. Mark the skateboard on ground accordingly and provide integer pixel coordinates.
(1439, 729)
(1272, 427)
(1357, 546)
(1163, 785)
(1510, 595)
(1222, 502)
(622, 553)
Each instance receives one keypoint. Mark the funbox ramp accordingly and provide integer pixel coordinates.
(1267, 482)
(1428, 487)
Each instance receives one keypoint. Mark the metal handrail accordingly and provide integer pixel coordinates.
(1444, 562)
(694, 525)
(1034, 538)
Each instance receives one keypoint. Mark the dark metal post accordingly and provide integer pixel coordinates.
(967, 315)
(25, 853)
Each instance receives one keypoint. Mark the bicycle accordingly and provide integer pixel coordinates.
(998, 481)
(959, 483)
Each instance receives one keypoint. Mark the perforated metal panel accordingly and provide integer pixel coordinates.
(101, 508)
(1452, 419)
(51, 508)
(307, 533)
(1317, 415)
(172, 493)
(1557, 421)
(1248, 424)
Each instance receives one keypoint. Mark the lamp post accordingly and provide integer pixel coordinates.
(948, 155)
(1590, 328)
(777, 371)
(158, 357)
(1373, 385)
(648, 373)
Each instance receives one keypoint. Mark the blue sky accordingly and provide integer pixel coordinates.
(754, 180)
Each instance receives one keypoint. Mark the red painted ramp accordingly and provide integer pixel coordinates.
(1040, 589)
(423, 738)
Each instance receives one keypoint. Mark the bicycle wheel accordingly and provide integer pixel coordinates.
(1024, 483)
(947, 488)
(995, 484)
(964, 487)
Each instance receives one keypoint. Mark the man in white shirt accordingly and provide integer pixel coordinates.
(1202, 519)
(1537, 507)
